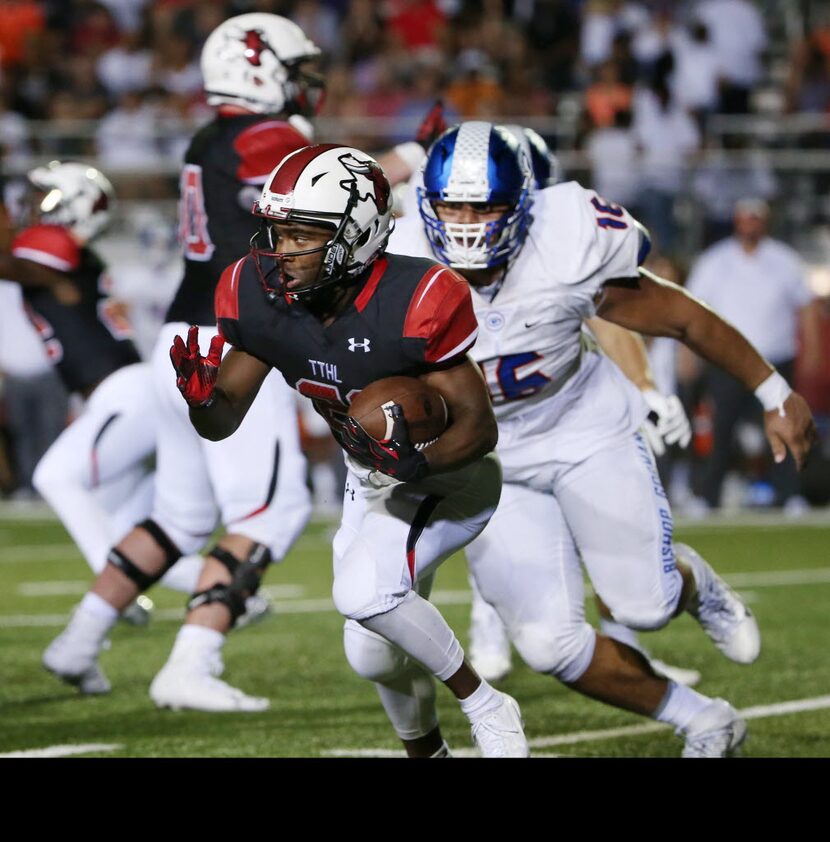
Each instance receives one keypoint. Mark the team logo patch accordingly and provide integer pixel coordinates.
(364, 345)
(494, 321)
(374, 174)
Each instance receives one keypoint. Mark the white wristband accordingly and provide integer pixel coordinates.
(773, 392)
(411, 153)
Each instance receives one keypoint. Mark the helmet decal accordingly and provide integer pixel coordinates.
(255, 45)
(371, 169)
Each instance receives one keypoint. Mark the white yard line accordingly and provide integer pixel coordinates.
(65, 750)
(761, 579)
(576, 737)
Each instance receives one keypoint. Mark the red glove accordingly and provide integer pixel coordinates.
(196, 374)
(396, 456)
(432, 126)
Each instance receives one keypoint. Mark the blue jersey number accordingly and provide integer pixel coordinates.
(514, 377)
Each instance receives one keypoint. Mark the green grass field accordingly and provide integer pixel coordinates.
(320, 708)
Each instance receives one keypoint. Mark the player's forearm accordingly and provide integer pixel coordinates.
(469, 437)
(27, 273)
(218, 419)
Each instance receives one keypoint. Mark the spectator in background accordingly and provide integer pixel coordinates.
(615, 161)
(21, 26)
(607, 95)
(752, 268)
(603, 21)
(126, 137)
(415, 23)
(15, 141)
(667, 137)
(694, 82)
(724, 177)
(126, 67)
(476, 93)
(739, 38)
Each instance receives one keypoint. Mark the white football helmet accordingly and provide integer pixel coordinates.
(333, 186)
(75, 196)
(254, 60)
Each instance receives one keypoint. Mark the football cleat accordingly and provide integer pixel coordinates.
(257, 608)
(500, 732)
(73, 655)
(720, 611)
(181, 687)
(442, 752)
(717, 731)
(138, 612)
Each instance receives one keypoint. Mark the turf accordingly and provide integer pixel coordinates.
(320, 707)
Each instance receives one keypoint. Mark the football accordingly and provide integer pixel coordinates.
(423, 408)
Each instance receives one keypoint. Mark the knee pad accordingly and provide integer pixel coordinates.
(129, 568)
(247, 576)
(646, 617)
(562, 653)
(371, 656)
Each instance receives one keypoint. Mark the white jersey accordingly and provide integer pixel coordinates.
(529, 344)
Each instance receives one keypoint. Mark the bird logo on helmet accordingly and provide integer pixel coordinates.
(330, 186)
(255, 60)
(74, 196)
(477, 163)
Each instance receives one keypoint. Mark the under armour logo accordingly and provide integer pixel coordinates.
(353, 344)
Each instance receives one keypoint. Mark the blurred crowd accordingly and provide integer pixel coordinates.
(658, 105)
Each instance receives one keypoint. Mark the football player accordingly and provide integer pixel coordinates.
(318, 301)
(580, 481)
(256, 74)
(490, 651)
(95, 475)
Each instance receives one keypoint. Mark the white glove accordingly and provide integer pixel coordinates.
(666, 423)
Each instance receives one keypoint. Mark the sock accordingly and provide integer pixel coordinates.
(680, 706)
(621, 633)
(99, 608)
(196, 638)
(480, 701)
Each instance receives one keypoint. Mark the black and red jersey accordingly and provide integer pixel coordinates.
(409, 317)
(85, 341)
(215, 220)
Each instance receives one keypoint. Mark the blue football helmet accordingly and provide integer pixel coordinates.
(477, 163)
(546, 168)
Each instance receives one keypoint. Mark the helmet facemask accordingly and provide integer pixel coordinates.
(477, 163)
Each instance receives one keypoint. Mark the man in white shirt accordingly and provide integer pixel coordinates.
(756, 283)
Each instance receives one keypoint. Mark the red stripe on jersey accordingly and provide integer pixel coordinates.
(292, 167)
(226, 298)
(441, 311)
(49, 245)
(262, 146)
(371, 285)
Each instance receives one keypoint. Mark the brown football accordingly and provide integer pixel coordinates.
(423, 408)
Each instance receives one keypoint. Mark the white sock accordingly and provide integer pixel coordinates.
(481, 701)
(99, 608)
(622, 634)
(192, 637)
(680, 706)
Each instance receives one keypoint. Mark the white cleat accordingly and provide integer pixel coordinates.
(73, 655)
(500, 732)
(717, 731)
(257, 608)
(679, 675)
(720, 611)
(138, 612)
(181, 688)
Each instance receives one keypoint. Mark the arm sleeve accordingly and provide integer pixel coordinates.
(441, 313)
(226, 304)
(49, 246)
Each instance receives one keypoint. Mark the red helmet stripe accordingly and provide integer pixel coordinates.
(285, 178)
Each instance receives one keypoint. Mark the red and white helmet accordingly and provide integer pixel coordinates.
(254, 60)
(75, 196)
